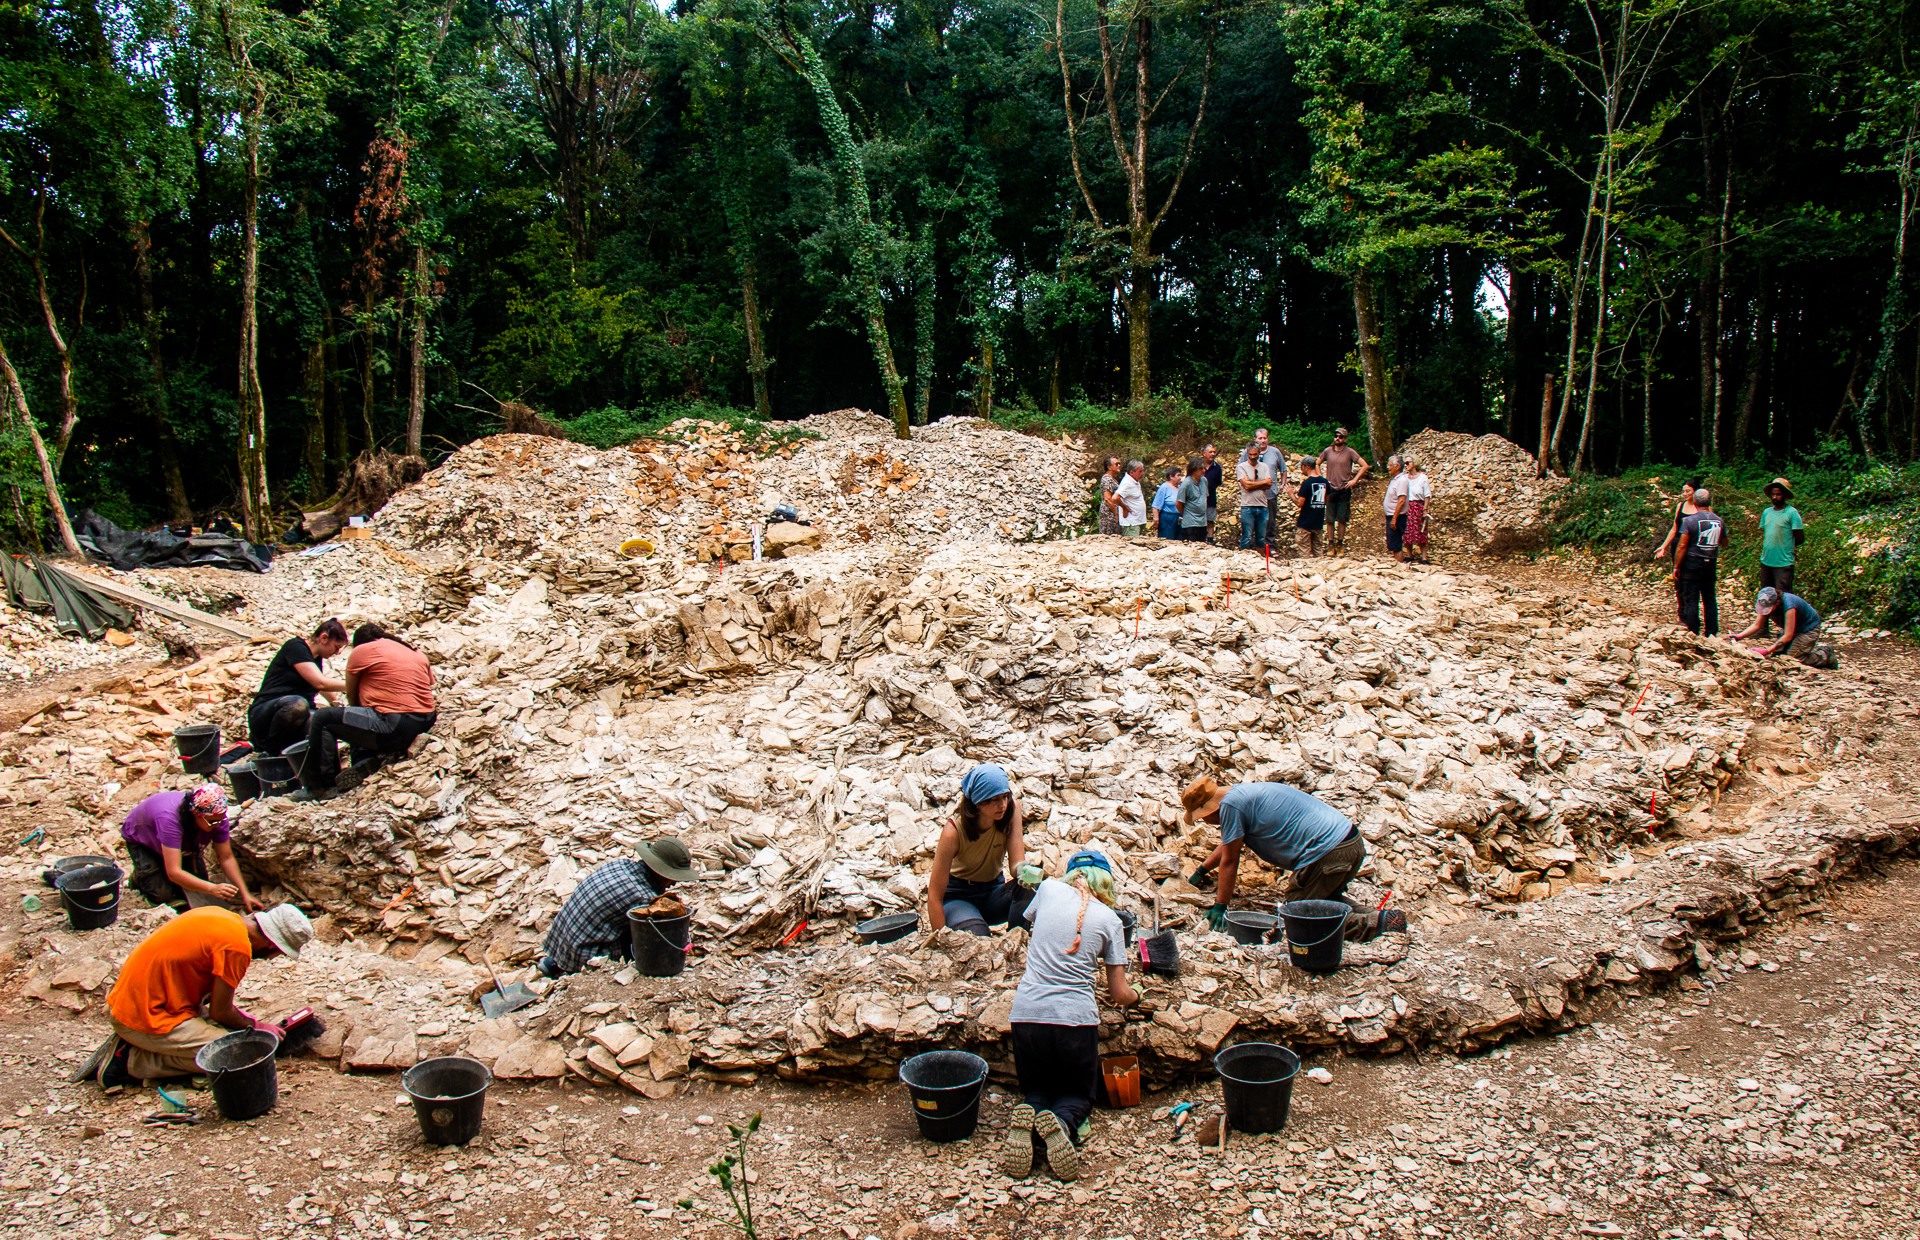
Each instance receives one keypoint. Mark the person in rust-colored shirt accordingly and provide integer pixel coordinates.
(390, 702)
(175, 993)
(1343, 468)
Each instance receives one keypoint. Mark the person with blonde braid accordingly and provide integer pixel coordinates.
(1056, 1020)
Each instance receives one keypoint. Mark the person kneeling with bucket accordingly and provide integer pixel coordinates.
(1289, 830)
(166, 835)
(175, 992)
(593, 921)
(1056, 1020)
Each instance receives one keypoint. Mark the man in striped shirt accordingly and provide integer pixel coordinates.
(593, 921)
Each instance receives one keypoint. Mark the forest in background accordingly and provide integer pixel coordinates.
(246, 240)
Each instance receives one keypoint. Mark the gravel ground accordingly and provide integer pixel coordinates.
(1780, 1104)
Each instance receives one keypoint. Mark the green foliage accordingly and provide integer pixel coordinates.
(615, 427)
(730, 1174)
(23, 503)
(1861, 556)
(1169, 425)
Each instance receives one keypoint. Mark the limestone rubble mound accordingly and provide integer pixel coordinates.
(1486, 495)
(803, 724)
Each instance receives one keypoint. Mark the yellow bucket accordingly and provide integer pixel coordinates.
(636, 546)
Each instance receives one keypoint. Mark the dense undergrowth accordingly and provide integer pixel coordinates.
(1862, 554)
(615, 427)
(1161, 429)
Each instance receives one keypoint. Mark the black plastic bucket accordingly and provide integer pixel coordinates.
(241, 1070)
(1315, 933)
(892, 927)
(1128, 922)
(449, 1096)
(296, 756)
(93, 918)
(946, 1088)
(1253, 929)
(275, 773)
(660, 943)
(51, 875)
(199, 748)
(1257, 1080)
(90, 887)
(244, 780)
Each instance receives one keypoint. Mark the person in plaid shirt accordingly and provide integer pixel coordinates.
(593, 921)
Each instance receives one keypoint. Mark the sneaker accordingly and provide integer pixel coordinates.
(1062, 1159)
(1016, 1157)
(1386, 921)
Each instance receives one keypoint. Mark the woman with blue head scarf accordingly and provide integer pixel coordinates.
(968, 889)
(1056, 1019)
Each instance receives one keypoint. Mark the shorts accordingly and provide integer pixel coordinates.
(1339, 504)
(1213, 514)
(1306, 542)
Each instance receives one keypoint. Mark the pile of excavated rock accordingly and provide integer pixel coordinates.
(698, 490)
(804, 723)
(32, 647)
(1486, 497)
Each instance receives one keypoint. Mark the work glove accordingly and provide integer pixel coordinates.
(1029, 875)
(1217, 917)
(1201, 878)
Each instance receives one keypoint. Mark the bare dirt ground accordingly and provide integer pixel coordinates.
(1782, 1102)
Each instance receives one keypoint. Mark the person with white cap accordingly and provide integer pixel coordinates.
(167, 834)
(593, 921)
(175, 993)
(967, 888)
(1289, 830)
(1056, 1016)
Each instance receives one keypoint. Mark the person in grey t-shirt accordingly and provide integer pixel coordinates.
(1056, 1020)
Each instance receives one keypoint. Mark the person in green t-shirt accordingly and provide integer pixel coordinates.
(1781, 534)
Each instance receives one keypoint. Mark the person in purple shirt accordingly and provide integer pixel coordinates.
(167, 834)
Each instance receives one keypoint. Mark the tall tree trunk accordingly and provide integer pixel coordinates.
(417, 378)
(1546, 425)
(983, 390)
(338, 453)
(1140, 318)
(924, 310)
(1893, 314)
(313, 390)
(1722, 245)
(166, 446)
(865, 235)
(1757, 350)
(17, 399)
(1581, 273)
(757, 364)
(1522, 345)
(366, 367)
(1373, 370)
(1706, 298)
(255, 503)
(1053, 382)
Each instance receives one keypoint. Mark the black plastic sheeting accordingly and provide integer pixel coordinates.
(77, 611)
(125, 549)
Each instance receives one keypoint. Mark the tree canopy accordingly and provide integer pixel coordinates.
(242, 241)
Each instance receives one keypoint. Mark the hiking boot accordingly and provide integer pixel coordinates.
(1062, 1159)
(1016, 1157)
(355, 775)
(307, 795)
(1386, 921)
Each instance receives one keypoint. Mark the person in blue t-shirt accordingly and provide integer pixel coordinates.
(1800, 629)
(1166, 505)
(1289, 830)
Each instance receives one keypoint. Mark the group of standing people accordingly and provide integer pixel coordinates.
(1695, 541)
(1318, 501)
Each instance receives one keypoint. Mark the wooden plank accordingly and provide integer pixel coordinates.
(153, 602)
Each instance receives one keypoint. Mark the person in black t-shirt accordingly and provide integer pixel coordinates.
(1312, 499)
(297, 674)
(1696, 566)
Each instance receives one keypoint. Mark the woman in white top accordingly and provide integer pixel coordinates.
(1056, 1020)
(1419, 495)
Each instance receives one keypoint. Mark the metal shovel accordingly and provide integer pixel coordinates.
(503, 999)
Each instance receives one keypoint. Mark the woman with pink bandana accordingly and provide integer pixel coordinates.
(166, 835)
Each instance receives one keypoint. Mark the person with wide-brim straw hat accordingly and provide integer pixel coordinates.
(1289, 830)
(593, 921)
(1782, 533)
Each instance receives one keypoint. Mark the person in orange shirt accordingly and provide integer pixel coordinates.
(390, 702)
(175, 992)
